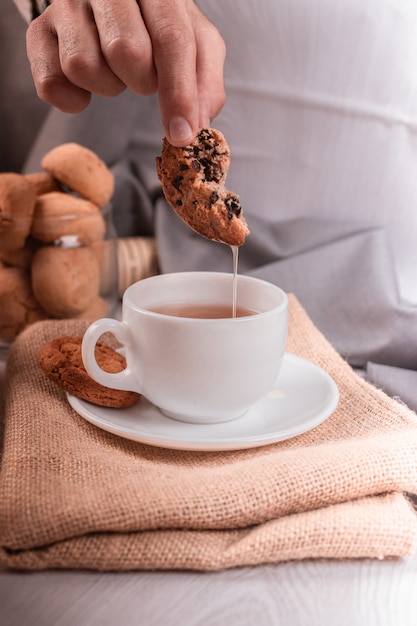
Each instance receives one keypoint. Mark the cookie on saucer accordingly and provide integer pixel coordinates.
(60, 359)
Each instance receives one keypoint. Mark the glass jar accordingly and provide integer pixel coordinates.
(66, 269)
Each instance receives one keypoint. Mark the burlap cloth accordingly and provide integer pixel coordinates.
(74, 496)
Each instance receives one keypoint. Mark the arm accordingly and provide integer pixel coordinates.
(79, 47)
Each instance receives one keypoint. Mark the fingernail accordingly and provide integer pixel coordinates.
(180, 131)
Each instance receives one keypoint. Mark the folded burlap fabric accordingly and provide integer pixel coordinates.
(74, 496)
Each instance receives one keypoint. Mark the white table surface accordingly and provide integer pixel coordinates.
(308, 593)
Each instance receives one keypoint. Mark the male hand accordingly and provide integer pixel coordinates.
(79, 47)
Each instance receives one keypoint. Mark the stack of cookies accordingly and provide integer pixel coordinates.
(53, 240)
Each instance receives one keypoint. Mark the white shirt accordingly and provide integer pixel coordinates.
(321, 113)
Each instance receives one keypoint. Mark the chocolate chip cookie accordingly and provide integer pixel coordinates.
(193, 182)
(61, 360)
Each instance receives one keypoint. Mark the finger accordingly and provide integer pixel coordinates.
(211, 52)
(80, 54)
(51, 84)
(125, 44)
(170, 27)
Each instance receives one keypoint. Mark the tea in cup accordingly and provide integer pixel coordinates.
(185, 351)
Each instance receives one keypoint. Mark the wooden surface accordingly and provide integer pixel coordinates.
(311, 593)
(293, 594)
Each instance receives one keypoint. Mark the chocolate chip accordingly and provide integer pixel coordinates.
(204, 134)
(196, 165)
(183, 167)
(177, 182)
(233, 207)
(214, 197)
(179, 203)
(212, 172)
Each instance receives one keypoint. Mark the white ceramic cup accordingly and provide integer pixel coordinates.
(196, 370)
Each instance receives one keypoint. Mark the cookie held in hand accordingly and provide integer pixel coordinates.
(192, 179)
(60, 359)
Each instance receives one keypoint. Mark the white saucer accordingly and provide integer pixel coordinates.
(305, 396)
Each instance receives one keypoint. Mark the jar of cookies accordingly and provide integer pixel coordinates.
(58, 254)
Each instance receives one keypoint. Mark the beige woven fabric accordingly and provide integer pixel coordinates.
(74, 496)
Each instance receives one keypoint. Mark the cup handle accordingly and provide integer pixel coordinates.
(123, 380)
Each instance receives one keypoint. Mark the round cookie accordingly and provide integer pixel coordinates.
(60, 359)
(65, 281)
(96, 310)
(17, 203)
(18, 307)
(193, 178)
(21, 257)
(59, 215)
(42, 182)
(81, 170)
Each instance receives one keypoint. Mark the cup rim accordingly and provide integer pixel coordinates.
(282, 306)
